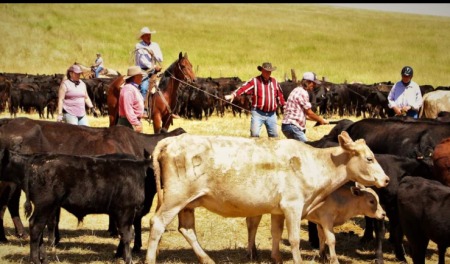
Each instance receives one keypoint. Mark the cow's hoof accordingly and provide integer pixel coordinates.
(314, 244)
(136, 250)
(22, 235)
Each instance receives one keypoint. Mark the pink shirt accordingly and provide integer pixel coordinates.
(131, 103)
(294, 111)
(74, 97)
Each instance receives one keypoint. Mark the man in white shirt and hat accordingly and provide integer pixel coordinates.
(148, 57)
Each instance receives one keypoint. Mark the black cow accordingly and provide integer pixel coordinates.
(396, 167)
(404, 137)
(409, 138)
(112, 184)
(424, 209)
(29, 136)
(226, 86)
(202, 98)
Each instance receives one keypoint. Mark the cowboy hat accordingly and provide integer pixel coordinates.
(267, 66)
(133, 71)
(145, 30)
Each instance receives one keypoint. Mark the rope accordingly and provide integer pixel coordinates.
(217, 97)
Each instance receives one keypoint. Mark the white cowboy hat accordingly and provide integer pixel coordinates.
(145, 30)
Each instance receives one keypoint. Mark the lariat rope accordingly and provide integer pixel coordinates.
(217, 97)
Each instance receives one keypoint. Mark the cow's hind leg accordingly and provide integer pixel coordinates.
(293, 219)
(53, 228)
(158, 223)
(186, 220)
(37, 224)
(124, 224)
(418, 248)
(252, 227)
(13, 207)
(277, 224)
(5, 190)
(330, 240)
(322, 246)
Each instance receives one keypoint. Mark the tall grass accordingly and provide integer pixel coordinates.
(230, 39)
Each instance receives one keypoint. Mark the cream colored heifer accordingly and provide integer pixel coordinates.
(242, 177)
(435, 102)
(338, 207)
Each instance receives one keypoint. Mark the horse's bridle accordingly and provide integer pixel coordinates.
(186, 78)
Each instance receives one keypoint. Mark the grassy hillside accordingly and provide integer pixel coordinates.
(230, 39)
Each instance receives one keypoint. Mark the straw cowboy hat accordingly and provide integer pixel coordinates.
(133, 71)
(266, 66)
(145, 30)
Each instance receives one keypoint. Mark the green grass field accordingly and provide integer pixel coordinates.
(230, 39)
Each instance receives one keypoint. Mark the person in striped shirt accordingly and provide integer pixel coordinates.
(266, 94)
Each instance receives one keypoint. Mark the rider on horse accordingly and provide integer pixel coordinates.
(148, 57)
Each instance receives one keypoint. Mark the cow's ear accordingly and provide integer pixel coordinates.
(356, 191)
(345, 140)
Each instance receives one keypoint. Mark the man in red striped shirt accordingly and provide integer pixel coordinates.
(266, 94)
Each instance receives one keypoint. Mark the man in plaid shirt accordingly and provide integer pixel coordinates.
(298, 108)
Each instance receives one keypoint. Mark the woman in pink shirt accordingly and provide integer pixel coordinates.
(72, 98)
(131, 102)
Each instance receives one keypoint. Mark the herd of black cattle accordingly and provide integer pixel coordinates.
(26, 92)
(417, 207)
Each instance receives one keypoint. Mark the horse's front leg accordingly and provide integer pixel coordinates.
(157, 122)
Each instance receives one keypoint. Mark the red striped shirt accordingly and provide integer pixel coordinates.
(265, 95)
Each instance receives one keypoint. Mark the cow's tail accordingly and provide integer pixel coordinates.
(157, 169)
(28, 208)
(421, 110)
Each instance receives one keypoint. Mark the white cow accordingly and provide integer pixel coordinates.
(435, 102)
(242, 177)
(341, 205)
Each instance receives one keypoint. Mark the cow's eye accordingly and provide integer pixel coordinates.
(369, 159)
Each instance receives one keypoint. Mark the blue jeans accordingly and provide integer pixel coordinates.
(75, 120)
(97, 71)
(144, 86)
(294, 132)
(259, 118)
(412, 113)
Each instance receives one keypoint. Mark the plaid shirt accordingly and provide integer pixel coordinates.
(297, 103)
(264, 94)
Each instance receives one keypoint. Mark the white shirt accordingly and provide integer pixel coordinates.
(143, 58)
(401, 95)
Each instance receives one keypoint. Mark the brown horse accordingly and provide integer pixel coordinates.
(112, 99)
(164, 101)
